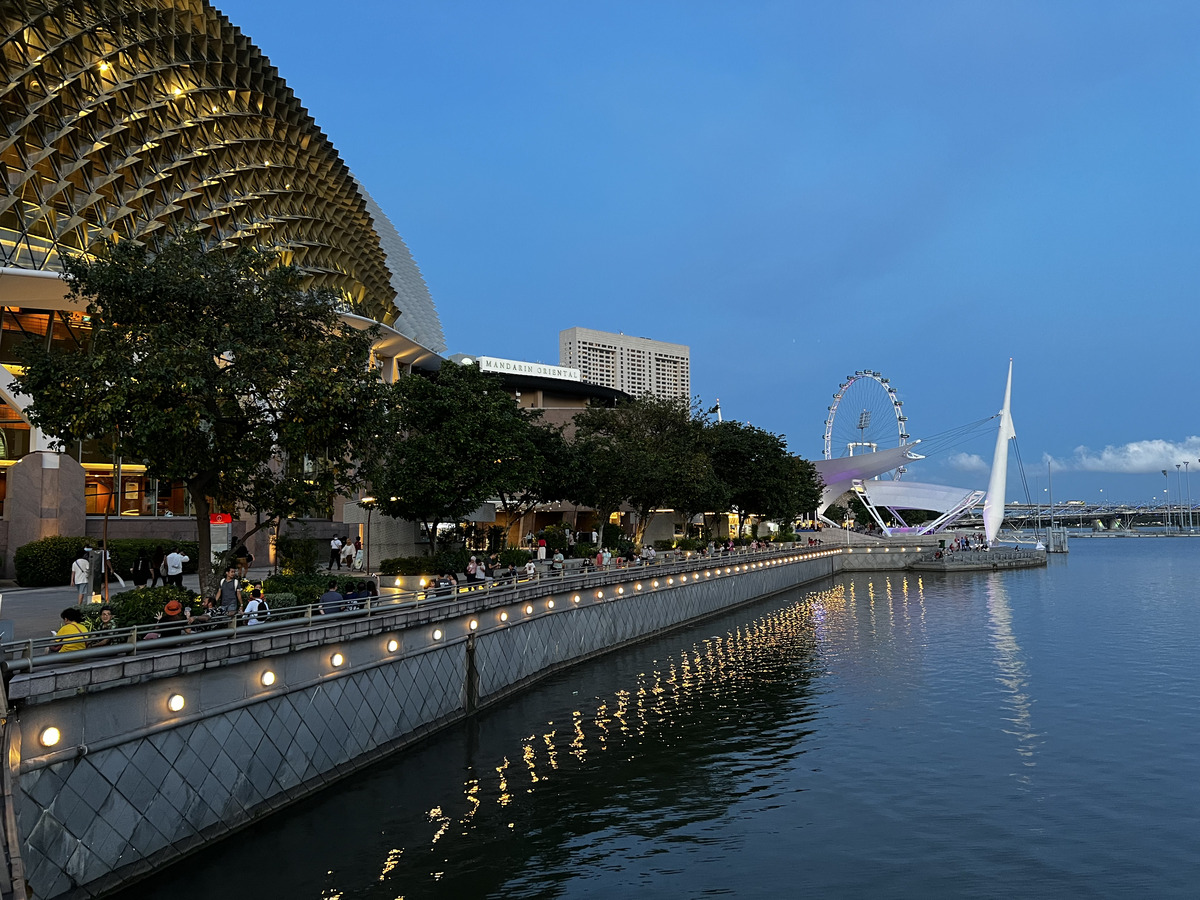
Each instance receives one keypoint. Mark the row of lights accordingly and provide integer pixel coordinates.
(52, 736)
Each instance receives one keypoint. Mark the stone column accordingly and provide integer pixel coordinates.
(45, 497)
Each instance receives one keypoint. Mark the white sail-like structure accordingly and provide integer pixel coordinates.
(993, 506)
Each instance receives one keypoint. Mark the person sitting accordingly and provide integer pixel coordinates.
(172, 620)
(256, 611)
(353, 596)
(331, 601)
(105, 625)
(213, 616)
(69, 632)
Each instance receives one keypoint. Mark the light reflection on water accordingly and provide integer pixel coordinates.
(876, 737)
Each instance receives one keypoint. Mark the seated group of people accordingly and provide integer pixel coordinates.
(334, 601)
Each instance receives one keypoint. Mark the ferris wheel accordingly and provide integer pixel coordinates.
(866, 415)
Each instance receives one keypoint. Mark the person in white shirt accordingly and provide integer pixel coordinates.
(175, 561)
(335, 553)
(81, 572)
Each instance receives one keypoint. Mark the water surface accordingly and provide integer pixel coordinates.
(1028, 733)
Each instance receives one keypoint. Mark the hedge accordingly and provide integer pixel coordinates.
(307, 588)
(47, 562)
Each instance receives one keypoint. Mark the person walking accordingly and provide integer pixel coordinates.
(141, 569)
(174, 562)
(347, 553)
(81, 576)
(158, 566)
(335, 553)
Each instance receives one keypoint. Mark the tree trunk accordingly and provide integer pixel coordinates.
(203, 538)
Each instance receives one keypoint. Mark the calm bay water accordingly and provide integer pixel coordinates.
(1029, 734)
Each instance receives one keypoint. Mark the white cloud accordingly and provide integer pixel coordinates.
(1137, 457)
(968, 462)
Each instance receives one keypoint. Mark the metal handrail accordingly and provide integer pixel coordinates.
(21, 655)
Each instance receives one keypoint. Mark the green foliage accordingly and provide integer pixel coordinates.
(515, 556)
(298, 554)
(211, 365)
(556, 537)
(648, 452)
(307, 588)
(584, 550)
(664, 545)
(405, 565)
(282, 600)
(47, 561)
(141, 605)
(463, 440)
(836, 513)
(689, 544)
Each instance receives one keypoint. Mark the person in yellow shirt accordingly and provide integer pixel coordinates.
(72, 627)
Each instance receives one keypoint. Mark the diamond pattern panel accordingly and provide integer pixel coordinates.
(87, 817)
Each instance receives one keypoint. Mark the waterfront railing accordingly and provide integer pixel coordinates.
(42, 652)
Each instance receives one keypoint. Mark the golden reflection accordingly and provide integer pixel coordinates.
(504, 797)
(392, 860)
(527, 753)
(718, 666)
(443, 821)
(577, 749)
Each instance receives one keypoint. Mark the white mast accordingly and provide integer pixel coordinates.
(993, 506)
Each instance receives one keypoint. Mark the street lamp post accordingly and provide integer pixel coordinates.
(1187, 479)
(1167, 494)
(1179, 493)
(367, 503)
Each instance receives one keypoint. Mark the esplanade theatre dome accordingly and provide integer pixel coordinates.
(143, 119)
(139, 119)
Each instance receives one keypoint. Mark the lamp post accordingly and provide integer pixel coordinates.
(367, 503)
(1167, 494)
(1179, 494)
(1187, 479)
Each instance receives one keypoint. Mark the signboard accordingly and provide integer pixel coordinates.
(220, 519)
(516, 367)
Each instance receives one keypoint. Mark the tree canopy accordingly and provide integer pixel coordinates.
(455, 438)
(216, 368)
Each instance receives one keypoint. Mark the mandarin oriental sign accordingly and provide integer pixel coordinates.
(516, 367)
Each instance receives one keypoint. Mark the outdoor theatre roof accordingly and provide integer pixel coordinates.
(139, 119)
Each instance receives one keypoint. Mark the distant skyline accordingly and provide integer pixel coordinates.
(800, 190)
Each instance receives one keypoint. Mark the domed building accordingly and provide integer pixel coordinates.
(138, 120)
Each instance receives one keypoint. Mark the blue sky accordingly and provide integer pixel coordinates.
(800, 190)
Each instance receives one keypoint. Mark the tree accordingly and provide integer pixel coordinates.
(455, 438)
(763, 478)
(645, 452)
(546, 470)
(216, 368)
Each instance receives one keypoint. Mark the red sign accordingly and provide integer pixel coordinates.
(220, 518)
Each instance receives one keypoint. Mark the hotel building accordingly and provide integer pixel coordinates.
(633, 365)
